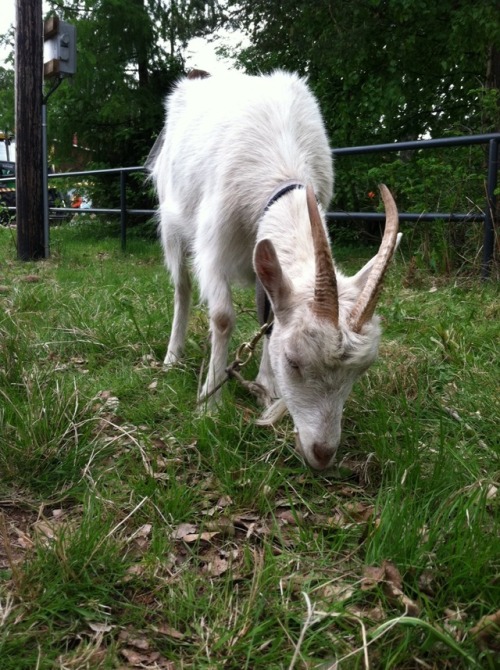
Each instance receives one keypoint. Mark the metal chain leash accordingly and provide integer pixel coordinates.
(244, 354)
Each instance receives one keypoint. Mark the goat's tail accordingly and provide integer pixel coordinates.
(153, 155)
(157, 146)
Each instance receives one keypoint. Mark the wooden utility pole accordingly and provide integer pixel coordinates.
(29, 81)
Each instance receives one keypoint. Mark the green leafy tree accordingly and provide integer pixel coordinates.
(384, 70)
(129, 54)
(6, 100)
(7, 113)
(388, 70)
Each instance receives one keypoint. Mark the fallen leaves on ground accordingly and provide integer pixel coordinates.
(169, 631)
(487, 631)
(58, 527)
(15, 539)
(389, 578)
(31, 279)
(139, 653)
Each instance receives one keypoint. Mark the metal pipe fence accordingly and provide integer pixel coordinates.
(486, 216)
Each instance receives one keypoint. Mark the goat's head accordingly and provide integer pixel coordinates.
(323, 342)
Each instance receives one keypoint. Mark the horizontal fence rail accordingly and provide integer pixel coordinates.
(486, 216)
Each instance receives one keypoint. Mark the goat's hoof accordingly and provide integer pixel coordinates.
(207, 406)
(171, 361)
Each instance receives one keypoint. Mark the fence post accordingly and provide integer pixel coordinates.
(123, 208)
(490, 210)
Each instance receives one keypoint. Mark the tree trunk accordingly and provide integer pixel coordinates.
(29, 81)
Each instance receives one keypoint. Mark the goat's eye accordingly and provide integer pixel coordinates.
(292, 363)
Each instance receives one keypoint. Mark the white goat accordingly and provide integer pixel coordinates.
(240, 169)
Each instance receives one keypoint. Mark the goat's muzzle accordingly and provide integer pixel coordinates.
(321, 456)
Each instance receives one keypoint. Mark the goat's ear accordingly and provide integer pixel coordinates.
(359, 279)
(268, 269)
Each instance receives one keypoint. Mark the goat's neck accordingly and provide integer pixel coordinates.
(288, 227)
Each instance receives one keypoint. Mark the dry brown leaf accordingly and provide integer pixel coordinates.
(411, 607)
(136, 570)
(335, 592)
(76, 360)
(144, 530)
(372, 576)
(290, 517)
(151, 661)
(148, 361)
(349, 514)
(222, 525)
(45, 529)
(138, 659)
(324, 521)
(99, 627)
(218, 561)
(491, 492)
(224, 501)
(358, 511)
(165, 629)
(350, 491)
(158, 443)
(487, 631)
(393, 576)
(23, 540)
(389, 577)
(246, 517)
(59, 527)
(132, 639)
(182, 530)
(217, 566)
(206, 536)
(376, 613)
(427, 583)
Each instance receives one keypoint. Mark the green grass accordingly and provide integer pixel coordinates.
(135, 532)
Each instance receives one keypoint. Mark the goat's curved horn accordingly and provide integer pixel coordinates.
(326, 299)
(367, 300)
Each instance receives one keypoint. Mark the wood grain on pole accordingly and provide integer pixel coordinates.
(29, 81)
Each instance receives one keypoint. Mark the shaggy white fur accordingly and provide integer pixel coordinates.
(228, 143)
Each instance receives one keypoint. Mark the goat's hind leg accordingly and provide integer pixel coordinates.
(177, 264)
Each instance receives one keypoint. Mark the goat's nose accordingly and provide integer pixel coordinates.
(323, 454)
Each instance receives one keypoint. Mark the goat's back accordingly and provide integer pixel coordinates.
(228, 141)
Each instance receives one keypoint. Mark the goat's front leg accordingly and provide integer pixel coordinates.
(265, 376)
(275, 407)
(221, 326)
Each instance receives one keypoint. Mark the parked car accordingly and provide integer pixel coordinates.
(78, 199)
(8, 188)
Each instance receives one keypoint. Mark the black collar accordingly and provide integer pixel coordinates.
(281, 190)
(264, 310)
